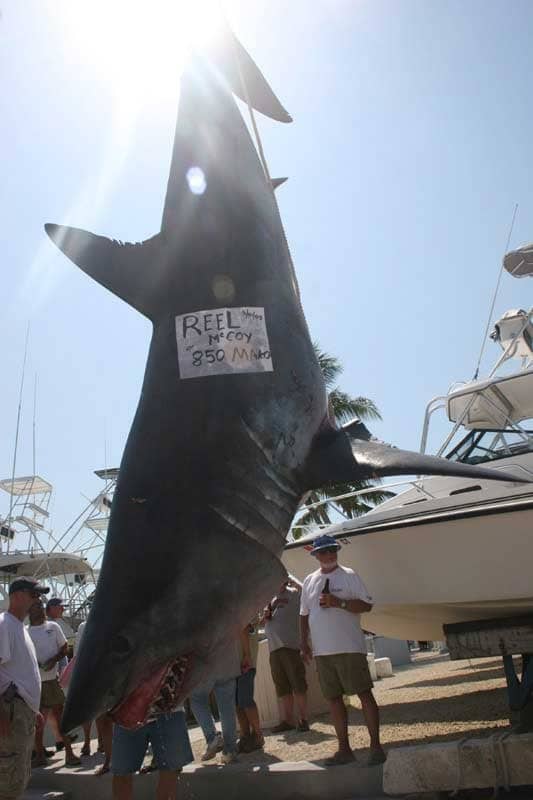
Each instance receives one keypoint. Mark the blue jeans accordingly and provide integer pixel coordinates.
(168, 736)
(225, 695)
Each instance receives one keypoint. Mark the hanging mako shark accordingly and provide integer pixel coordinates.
(232, 427)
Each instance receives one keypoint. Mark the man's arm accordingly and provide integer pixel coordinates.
(305, 647)
(58, 656)
(5, 655)
(354, 606)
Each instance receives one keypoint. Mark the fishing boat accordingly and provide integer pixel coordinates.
(444, 550)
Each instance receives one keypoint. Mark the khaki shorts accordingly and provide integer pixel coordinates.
(52, 694)
(288, 671)
(343, 673)
(15, 750)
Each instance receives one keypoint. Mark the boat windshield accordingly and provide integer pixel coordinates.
(478, 447)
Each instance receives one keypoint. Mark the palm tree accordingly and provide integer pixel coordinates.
(345, 408)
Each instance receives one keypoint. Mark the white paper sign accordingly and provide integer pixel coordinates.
(223, 341)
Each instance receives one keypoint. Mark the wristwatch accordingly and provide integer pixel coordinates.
(344, 604)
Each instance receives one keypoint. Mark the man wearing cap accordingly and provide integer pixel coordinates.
(50, 647)
(54, 612)
(20, 689)
(333, 598)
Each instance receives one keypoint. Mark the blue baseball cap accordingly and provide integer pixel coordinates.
(324, 542)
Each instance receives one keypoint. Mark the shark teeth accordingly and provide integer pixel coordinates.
(167, 698)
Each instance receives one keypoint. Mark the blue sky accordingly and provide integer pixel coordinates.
(410, 146)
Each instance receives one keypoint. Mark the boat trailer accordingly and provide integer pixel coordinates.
(506, 637)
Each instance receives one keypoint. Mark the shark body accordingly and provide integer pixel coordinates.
(232, 427)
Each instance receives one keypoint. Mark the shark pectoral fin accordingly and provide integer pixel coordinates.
(379, 459)
(339, 456)
(128, 270)
(244, 76)
(276, 182)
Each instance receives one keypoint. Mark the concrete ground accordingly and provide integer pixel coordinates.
(431, 700)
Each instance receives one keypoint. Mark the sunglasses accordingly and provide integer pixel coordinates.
(328, 550)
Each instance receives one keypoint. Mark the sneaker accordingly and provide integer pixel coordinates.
(229, 758)
(303, 726)
(283, 727)
(340, 757)
(213, 747)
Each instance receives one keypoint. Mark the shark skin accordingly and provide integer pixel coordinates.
(216, 462)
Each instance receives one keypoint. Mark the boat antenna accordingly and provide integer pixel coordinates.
(105, 447)
(34, 416)
(485, 336)
(17, 429)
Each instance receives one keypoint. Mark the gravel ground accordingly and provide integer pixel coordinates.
(431, 700)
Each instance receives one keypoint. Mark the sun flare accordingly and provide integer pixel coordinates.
(138, 47)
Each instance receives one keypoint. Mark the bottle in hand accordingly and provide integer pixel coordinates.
(325, 590)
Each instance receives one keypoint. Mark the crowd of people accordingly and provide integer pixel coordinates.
(319, 619)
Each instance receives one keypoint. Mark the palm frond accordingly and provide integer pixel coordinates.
(350, 506)
(330, 366)
(346, 408)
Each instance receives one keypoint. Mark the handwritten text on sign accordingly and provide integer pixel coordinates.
(223, 341)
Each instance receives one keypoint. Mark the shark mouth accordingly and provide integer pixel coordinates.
(160, 693)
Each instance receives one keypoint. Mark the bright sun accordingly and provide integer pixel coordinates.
(137, 46)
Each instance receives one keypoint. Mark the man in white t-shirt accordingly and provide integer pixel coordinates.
(20, 689)
(333, 599)
(50, 646)
(54, 612)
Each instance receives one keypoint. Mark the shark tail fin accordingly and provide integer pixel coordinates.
(120, 267)
(349, 456)
(244, 76)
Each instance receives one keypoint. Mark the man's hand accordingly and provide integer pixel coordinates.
(306, 652)
(39, 722)
(48, 665)
(329, 601)
(246, 665)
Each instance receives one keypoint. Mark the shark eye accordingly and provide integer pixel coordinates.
(120, 645)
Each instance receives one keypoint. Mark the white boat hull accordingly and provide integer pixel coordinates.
(452, 565)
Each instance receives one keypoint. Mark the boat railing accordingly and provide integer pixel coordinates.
(333, 501)
(416, 484)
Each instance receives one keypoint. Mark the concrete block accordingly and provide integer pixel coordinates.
(499, 760)
(371, 658)
(395, 649)
(383, 667)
